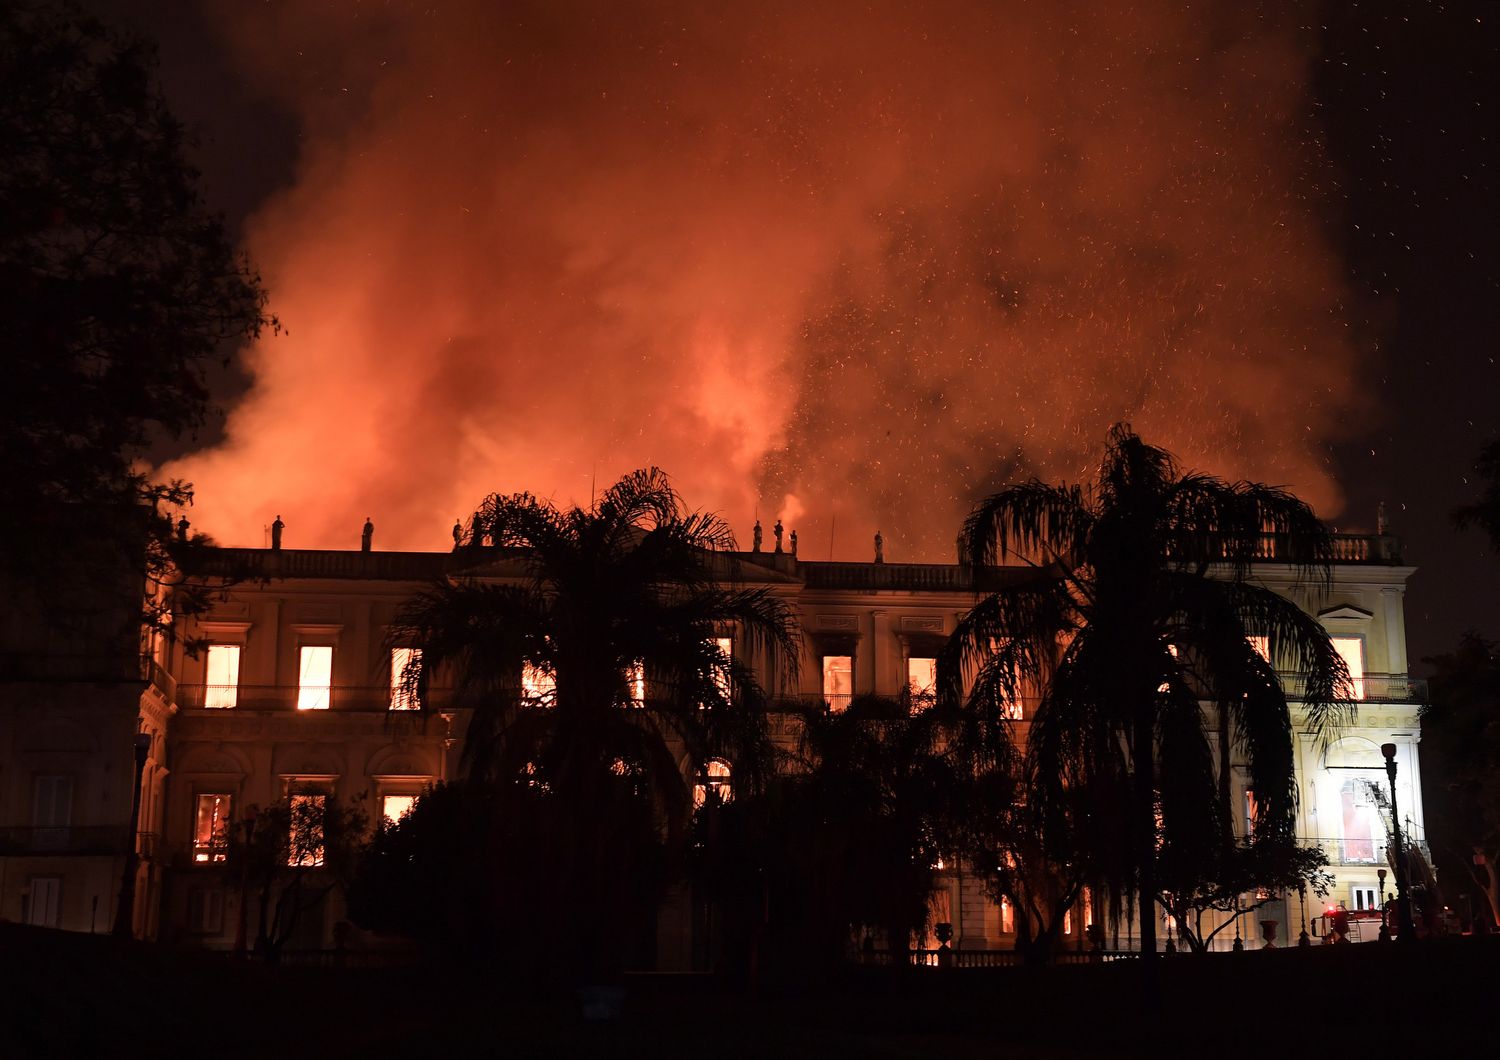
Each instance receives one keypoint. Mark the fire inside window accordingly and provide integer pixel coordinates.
(315, 677)
(921, 681)
(636, 680)
(716, 780)
(222, 676)
(538, 686)
(838, 681)
(211, 828)
(722, 680)
(401, 658)
(1353, 651)
(305, 838)
(395, 807)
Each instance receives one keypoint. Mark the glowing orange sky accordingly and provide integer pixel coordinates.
(859, 261)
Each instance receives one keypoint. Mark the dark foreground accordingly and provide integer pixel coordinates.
(69, 995)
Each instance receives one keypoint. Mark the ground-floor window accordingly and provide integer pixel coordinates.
(44, 901)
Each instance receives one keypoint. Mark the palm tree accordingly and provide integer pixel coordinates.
(591, 657)
(1128, 604)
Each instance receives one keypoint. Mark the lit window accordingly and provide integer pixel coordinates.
(538, 686)
(395, 807)
(716, 780)
(838, 681)
(1261, 645)
(211, 828)
(222, 676)
(1360, 822)
(1353, 651)
(314, 678)
(722, 680)
(921, 680)
(401, 658)
(305, 835)
(1252, 812)
(636, 679)
(1007, 917)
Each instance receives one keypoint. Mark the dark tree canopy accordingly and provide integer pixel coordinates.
(1485, 512)
(118, 286)
(1138, 604)
(1461, 745)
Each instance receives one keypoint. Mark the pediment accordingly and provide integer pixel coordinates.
(1346, 611)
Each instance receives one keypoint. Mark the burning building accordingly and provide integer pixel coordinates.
(296, 693)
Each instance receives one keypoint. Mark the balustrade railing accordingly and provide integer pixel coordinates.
(293, 698)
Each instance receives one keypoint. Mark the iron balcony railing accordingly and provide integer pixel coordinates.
(1370, 688)
(1354, 852)
(293, 698)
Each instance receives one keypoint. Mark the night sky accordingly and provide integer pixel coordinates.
(1401, 96)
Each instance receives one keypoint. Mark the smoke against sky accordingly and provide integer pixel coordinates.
(851, 260)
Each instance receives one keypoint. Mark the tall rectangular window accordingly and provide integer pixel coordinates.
(222, 676)
(1352, 649)
(305, 839)
(1252, 812)
(395, 807)
(51, 809)
(921, 681)
(538, 686)
(401, 699)
(636, 679)
(722, 680)
(1261, 645)
(921, 676)
(211, 828)
(838, 681)
(314, 677)
(44, 901)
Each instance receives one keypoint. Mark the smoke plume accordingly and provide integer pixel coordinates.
(854, 262)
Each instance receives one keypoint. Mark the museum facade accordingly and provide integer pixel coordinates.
(296, 692)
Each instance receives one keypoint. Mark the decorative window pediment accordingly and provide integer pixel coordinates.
(1345, 611)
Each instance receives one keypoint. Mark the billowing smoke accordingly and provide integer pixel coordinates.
(855, 262)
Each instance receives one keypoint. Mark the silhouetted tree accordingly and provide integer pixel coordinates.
(1040, 867)
(592, 675)
(118, 286)
(1461, 756)
(1485, 512)
(1199, 879)
(843, 843)
(1137, 603)
(303, 848)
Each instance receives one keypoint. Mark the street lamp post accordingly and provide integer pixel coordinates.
(1403, 897)
(125, 913)
(1385, 926)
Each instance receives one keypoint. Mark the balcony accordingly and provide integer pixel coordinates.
(1370, 688)
(367, 699)
(1355, 852)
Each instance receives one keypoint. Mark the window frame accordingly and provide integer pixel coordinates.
(228, 693)
(212, 854)
(306, 693)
